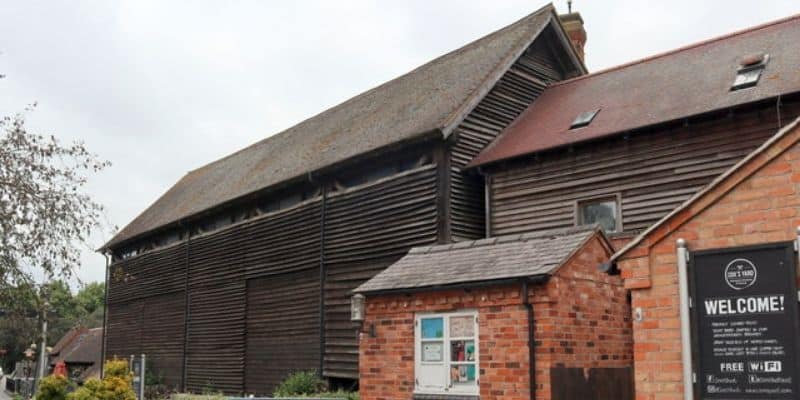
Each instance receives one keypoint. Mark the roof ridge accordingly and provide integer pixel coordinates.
(547, 7)
(681, 49)
(455, 118)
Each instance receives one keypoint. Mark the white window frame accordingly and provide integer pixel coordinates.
(448, 387)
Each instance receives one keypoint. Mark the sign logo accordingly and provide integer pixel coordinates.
(740, 274)
(765, 366)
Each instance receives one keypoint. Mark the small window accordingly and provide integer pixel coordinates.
(750, 69)
(584, 119)
(600, 211)
(447, 353)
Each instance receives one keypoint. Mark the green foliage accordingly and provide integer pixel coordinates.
(153, 378)
(158, 392)
(300, 383)
(154, 387)
(90, 297)
(46, 217)
(117, 369)
(53, 388)
(19, 325)
(208, 390)
(116, 384)
(21, 305)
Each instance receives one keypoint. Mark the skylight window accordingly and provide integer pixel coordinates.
(583, 119)
(750, 69)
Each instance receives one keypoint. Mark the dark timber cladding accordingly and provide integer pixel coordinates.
(672, 163)
(367, 230)
(145, 310)
(511, 95)
(262, 285)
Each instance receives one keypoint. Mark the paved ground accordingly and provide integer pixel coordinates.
(3, 394)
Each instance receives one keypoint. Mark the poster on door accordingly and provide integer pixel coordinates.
(745, 322)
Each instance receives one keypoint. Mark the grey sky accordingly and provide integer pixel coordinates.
(160, 88)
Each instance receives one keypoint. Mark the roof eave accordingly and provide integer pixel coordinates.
(483, 164)
(421, 137)
(535, 279)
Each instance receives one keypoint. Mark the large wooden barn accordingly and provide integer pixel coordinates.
(243, 270)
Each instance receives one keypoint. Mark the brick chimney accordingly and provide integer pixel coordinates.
(573, 24)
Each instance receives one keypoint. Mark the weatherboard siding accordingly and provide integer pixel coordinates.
(256, 288)
(366, 230)
(652, 172)
(510, 96)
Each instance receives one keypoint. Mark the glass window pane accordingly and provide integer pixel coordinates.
(432, 351)
(462, 326)
(747, 78)
(432, 328)
(462, 350)
(462, 374)
(601, 212)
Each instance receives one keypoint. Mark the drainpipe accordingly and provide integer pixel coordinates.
(531, 340)
(686, 338)
(105, 320)
(186, 315)
(322, 280)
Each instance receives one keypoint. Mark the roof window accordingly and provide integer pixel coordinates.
(750, 69)
(583, 119)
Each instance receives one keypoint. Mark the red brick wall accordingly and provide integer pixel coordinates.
(757, 204)
(386, 362)
(581, 318)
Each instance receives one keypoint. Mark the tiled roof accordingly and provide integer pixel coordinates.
(426, 102)
(83, 349)
(67, 339)
(504, 257)
(672, 86)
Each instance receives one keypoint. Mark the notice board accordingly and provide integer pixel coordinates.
(745, 322)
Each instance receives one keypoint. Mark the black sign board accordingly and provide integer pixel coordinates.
(745, 322)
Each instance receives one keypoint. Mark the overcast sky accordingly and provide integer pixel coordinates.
(163, 87)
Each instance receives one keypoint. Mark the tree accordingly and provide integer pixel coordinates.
(45, 218)
(20, 323)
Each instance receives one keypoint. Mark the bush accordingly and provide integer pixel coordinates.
(158, 391)
(300, 383)
(116, 384)
(53, 388)
(117, 368)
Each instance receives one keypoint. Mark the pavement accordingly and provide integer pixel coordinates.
(3, 394)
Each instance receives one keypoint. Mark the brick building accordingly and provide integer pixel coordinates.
(754, 203)
(487, 318)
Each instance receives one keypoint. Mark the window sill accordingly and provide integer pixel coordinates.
(445, 396)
